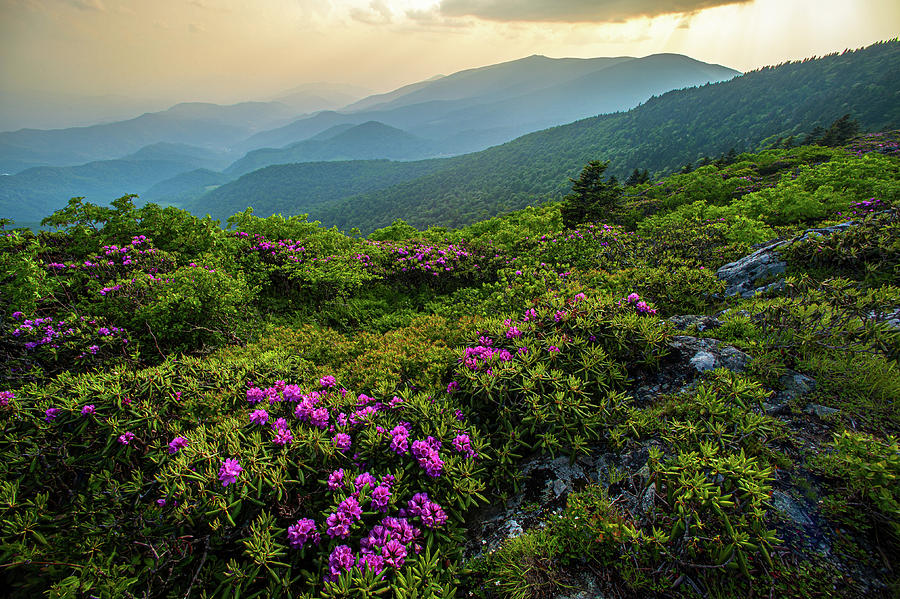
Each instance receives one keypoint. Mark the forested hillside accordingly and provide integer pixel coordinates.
(686, 387)
(305, 185)
(746, 113)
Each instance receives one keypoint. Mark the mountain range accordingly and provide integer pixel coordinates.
(756, 110)
(334, 164)
(443, 116)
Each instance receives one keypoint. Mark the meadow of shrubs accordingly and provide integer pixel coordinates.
(271, 408)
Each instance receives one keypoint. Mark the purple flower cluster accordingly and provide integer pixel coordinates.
(229, 472)
(88, 410)
(126, 438)
(381, 497)
(336, 480)
(431, 513)
(6, 397)
(348, 513)
(176, 444)
(641, 306)
(340, 560)
(341, 441)
(303, 532)
(283, 435)
(400, 438)
(481, 355)
(113, 258)
(463, 444)
(58, 334)
(259, 417)
(428, 456)
(426, 258)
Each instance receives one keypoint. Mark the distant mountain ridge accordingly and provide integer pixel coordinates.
(308, 184)
(510, 98)
(368, 141)
(198, 124)
(662, 134)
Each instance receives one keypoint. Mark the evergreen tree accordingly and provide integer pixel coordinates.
(814, 136)
(592, 196)
(840, 132)
(637, 177)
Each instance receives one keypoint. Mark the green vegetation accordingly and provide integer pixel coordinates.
(758, 110)
(305, 186)
(278, 409)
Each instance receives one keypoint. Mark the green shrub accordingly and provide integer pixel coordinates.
(864, 474)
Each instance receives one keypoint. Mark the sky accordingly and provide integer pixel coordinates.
(233, 50)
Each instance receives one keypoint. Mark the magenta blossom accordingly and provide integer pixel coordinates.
(302, 532)
(259, 417)
(126, 438)
(229, 472)
(394, 553)
(87, 410)
(381, 496)
(340, 560)
(463, 444)
(336, 479)
(341, 441)
(176, 444)
(283, 436)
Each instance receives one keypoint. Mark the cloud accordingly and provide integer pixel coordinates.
(96, 5)
(574, 11)
(378, 13)
(433, 20)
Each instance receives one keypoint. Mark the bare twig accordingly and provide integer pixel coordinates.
(200, 567)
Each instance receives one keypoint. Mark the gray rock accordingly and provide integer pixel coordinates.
(741, 276)
(561, 486)
(791, 509)
(702, 323)
(820, 411)
(796, 384)
(513, 528)
(888, 316)
(696, 353)
(648, 501)
(703, 360)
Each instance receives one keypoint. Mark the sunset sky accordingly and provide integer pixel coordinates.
(233, 50)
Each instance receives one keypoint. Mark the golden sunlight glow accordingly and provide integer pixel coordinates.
(231, 50)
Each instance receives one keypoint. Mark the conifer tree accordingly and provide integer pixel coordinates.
(592, 196)
(840, 132)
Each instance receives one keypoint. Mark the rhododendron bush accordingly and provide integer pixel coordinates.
(280, 409)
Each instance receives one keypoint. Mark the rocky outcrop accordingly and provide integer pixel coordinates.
(793, 385)
(693, 321)
(709, 354)
(743, 276)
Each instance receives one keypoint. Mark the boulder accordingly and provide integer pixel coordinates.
(700, 323)
(741, 276)
(793, 385)
(708, 354)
